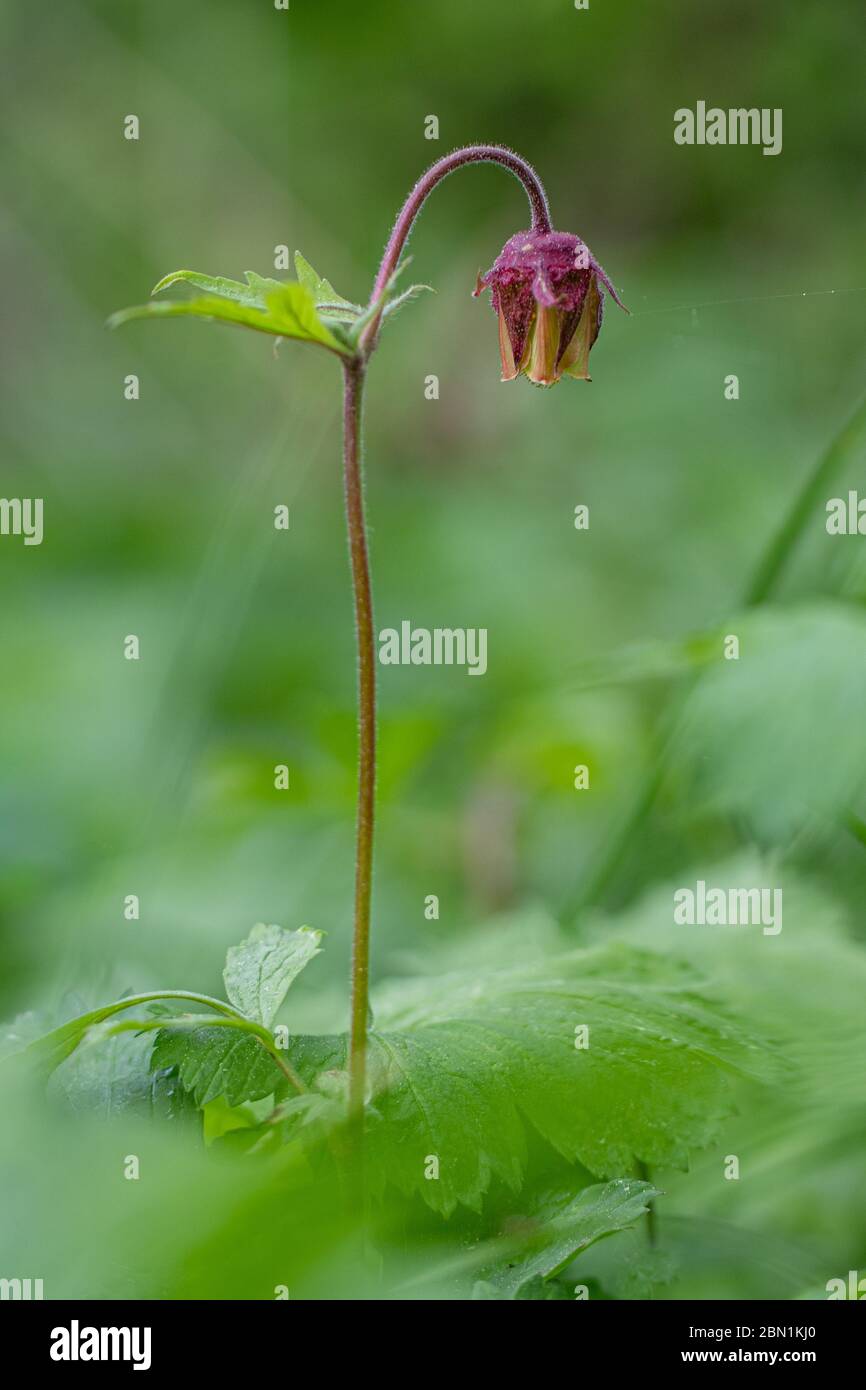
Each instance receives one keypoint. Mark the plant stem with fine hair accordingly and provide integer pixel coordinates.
(354, 371)
(469, 154)
(353, 378)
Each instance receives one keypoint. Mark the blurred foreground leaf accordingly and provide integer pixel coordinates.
(807, 985)
(558, 1227)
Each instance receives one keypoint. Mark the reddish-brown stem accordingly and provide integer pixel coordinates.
(354, 369)
(353, 376)
(470, 154)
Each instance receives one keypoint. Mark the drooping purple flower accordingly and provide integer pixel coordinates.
(545, 288)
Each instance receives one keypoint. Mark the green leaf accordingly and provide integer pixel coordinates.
(542, 1237)
(252, 294)
(557, 1227)
(258, 973)
(760, 736)
(459, 1067)
(219, 1062)
(293, 307)
(288, 311)
(392, 305)
(230, 1055)
(116, 1078)
(324, 296)
(807, 985)
(261, 286)
(386, 301)
(309, 1119)
(218, 1118)
(48, 1050)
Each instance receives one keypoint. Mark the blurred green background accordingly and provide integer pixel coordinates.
(261, 128)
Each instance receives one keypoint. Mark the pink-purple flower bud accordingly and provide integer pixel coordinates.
(545, 288)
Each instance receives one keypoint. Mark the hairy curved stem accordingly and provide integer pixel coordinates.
(353, 377)
(470, 154)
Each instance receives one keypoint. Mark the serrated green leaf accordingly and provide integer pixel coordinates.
(224, 1056)
(219, 1062)
(258, 973)
(251, 295)
(460, 1066)
(542, 1237)
(261, 286)
(325, 297)
(557, 1227)
(289, 310)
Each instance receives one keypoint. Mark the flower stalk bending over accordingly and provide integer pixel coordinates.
(546, 289)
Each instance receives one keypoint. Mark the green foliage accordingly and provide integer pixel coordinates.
(284, 310)
(114, 1078)
(460, 1066)
(230, 1053)
(807, 986)
(258, 973)
(157, 775)
(555, 1229)
(328, 303)
(253, 294)
(307, 310)
(46, 1051)
(405, 297)
(212, 1063)
(760, 736)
